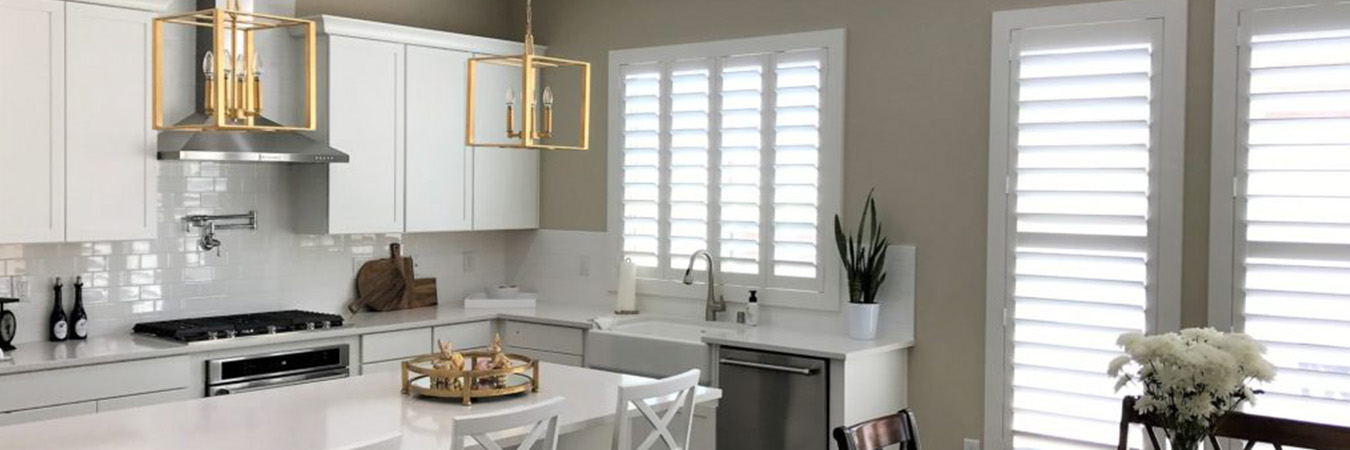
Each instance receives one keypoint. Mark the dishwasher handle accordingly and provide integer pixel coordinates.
(804, 371)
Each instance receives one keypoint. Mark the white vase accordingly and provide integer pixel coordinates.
(862, 320)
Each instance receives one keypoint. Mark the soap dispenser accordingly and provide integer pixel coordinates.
(752, 310)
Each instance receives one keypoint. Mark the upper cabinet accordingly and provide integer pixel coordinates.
(76, 148)
(506, 180)
(395, 99)
(110, 146)
(440, 176)
(361, 101)
(32, 121)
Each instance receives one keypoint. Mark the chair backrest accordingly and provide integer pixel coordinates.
(541, 418)
(895, 429)
(1249, 428)
(673, 425)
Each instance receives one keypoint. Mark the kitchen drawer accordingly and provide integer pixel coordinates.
(544, 337)
(465, 335)
(48, 413)
(82, 384)
(136, 401)
(381, 367)
(395, 345)
(547, 356)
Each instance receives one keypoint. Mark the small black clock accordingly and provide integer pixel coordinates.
(8, 325)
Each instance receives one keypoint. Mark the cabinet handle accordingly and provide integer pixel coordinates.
(807, 371)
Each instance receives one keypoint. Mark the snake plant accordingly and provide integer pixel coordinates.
(864, 255)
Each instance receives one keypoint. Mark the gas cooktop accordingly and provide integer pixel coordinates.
(238, 325)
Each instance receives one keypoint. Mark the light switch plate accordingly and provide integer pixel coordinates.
(970, 444)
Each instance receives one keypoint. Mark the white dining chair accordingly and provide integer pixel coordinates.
(675, 395)
(541, 418)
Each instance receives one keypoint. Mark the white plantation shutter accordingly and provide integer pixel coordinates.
(689, 142)
(642, 177)
(1080, 259)
(798, 80)
(740, 204)
(1293, 206)
(723, 150)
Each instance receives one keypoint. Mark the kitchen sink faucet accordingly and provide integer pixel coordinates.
(715, 303)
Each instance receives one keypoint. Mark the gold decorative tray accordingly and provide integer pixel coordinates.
(423, 376)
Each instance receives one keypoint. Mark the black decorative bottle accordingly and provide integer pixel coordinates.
(79, 320)
(58, 328)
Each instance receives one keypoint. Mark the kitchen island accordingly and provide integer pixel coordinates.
(359, 413)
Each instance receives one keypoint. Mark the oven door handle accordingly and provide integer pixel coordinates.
(267, 383)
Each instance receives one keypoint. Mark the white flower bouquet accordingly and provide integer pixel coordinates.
(1191, 378)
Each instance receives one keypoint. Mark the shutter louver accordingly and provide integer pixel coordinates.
(642, 164)
(1295, 215)
(796, 174)
(1082, 246)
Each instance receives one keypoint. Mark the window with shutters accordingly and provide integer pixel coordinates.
(1084, 214)
(1280, 243)
(732, 147)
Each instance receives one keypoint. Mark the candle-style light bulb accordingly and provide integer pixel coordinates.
(510, 97)
(209, 64)
(239, 65)
(257, 66)
(548, 97)
(227, 61)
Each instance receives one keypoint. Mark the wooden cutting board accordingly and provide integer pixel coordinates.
(385, 284)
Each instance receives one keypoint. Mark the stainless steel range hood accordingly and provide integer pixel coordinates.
(245, 146)
(239, 146)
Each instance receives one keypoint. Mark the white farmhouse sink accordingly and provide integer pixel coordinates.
(653, 346)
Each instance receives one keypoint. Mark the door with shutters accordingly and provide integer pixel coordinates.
(1283, 237)
(1084, 216)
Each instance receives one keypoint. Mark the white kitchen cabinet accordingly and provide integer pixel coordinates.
(395, 345)
(439, 169)
(465, 336)
(139, 400)
(110, 150)
(32, 121)
(505, 180)
(47, 413)
(361, 109)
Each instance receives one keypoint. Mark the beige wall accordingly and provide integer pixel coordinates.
(916, 128)
(491, 18)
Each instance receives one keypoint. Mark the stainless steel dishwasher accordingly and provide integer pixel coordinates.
(772, 401)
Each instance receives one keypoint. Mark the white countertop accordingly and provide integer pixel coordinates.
(820, 345)
(34, 356)
(332, 415)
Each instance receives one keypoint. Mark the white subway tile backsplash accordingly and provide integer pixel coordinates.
(272, 268)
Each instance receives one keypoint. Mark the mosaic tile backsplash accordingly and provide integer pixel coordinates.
(272, 268)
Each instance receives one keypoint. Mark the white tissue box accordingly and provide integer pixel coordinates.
(481, 300)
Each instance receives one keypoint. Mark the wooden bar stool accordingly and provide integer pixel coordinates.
(896, 429)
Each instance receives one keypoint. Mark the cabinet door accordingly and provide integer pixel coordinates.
(110, 154)
(438, 162)
(505, 180)
(365, 120)
(48, 413)
(32, 121)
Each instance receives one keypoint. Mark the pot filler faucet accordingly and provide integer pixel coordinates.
(715, 303)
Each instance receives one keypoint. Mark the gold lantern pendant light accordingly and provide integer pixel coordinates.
(536, 131)
(232, 91)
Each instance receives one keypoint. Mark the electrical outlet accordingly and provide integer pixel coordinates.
(21, 288)
(970, 444)
(468, 262)
(584, 262)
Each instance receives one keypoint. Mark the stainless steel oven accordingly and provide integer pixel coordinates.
(242, 374)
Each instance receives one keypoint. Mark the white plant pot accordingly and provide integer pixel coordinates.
(862, 320)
